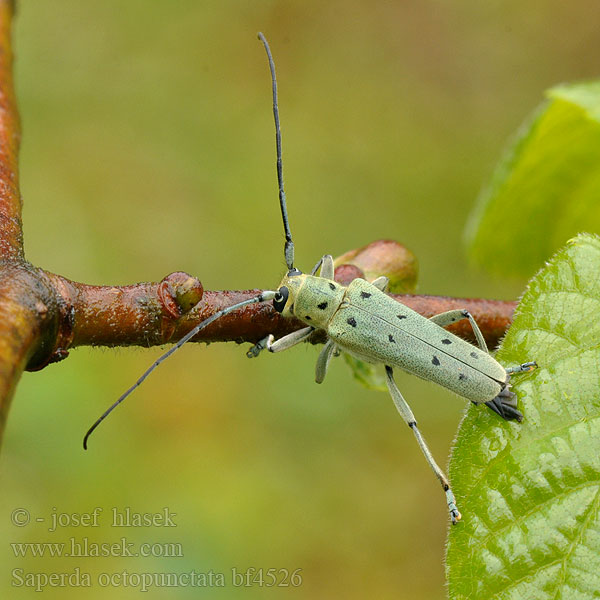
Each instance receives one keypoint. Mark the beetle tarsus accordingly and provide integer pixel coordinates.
(261, 345)
(523, 368)
(455, 515)
(505, 405)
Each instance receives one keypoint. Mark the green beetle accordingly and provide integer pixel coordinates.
(362, 320)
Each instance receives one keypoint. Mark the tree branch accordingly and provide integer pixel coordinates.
(11, 231)
(18, 330)
(150, 314)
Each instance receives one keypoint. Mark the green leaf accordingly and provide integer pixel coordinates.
(530, 492)
(546, 187)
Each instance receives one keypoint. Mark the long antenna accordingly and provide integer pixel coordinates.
(266, 295)
(289, 244)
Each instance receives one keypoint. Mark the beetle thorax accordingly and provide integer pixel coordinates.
(317, 300)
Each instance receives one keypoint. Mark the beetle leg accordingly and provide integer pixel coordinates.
(326, 264)
(453, 316)
(505, 404)
(323, 361)
(409, 418)
(260, 346)
(381, 283)
(524, 368)
(316, 267)
(287, 341)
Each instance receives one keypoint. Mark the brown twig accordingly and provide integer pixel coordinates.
(136, 315)
(17, 328)
(11, 232)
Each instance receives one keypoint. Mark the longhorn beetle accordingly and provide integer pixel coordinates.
(362, 320)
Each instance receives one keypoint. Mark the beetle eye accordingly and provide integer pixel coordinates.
(281, 298)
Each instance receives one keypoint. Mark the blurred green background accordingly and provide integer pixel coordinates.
(148, 147)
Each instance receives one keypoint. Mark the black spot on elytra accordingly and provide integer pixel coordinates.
(462, 377)
(365, 295)
(391, 338)
(307, 318)
(474, 355)
(401, 316)
(435, 361)
(351, 321)
(446, 341)
(332, 286)
(322, 306)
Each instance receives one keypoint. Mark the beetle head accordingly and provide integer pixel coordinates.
(288, 291)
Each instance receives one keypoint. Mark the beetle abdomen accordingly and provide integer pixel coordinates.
(376, 328)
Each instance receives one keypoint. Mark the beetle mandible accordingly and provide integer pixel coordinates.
(362, 320)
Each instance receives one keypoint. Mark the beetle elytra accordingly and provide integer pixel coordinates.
(362, 320)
